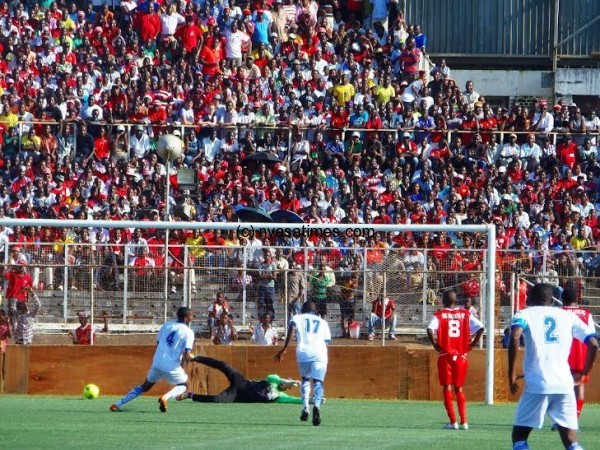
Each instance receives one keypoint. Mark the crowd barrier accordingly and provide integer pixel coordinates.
(139, 288)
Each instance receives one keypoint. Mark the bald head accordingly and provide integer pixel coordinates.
(309, 307)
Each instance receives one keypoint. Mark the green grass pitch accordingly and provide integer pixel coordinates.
(71, 422)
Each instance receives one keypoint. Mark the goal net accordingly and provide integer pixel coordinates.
(138, 273)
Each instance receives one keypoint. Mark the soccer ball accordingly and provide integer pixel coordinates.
(91, 391)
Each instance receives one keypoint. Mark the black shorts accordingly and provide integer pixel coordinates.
(347, 309)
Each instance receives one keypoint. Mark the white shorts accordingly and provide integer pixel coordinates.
(314, 370)
(174, 377)
(561, 408)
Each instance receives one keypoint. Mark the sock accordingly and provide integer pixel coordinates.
(175, 392)
(305, 392)
(575, 446)
(449, 406)
(580, 404)
(132, 395)
(521, 445)
(318, 393)
(461, 401)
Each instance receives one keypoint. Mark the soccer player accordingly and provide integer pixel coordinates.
(174, 347)
(312, 335)
(243, 390)
(450, 331)
(578, 353)
(549, 333)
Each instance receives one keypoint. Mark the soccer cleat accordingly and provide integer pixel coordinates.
(464, 426)
(162, 405)
(183, 396)
(114, 408)
(316, 416)
(450, 426)
(304, 415)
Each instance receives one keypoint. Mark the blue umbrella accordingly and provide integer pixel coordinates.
(246, 214)
(284, 216)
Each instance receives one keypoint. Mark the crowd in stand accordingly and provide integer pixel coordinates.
(262, 94)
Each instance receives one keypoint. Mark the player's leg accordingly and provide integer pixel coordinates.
(445, 378)
(562, 410)
(459, 375)
(530, 413)
(178, 378)
(318, 371)
(289, 399)
(151, 379)
(305, 372)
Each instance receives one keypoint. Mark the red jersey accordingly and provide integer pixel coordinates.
(84, 335)
(454, 327)
(17, 285)
(390, 306)
(578, 353)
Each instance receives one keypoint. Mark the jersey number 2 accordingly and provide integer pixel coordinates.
(550, 325)
(315, 326)
(454, 328)
(171, 339)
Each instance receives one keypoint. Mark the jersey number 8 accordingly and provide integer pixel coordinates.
(454, 328)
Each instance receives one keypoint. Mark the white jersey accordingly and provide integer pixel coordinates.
(173, 339)
(548, 334)
(312, 334)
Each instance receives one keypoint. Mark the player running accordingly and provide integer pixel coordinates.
(578, 353)
(243, 390)
(450, 331)
(548, 333)
(312, 335)
(175, 344)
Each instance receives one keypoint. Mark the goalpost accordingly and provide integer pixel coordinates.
(295, 229)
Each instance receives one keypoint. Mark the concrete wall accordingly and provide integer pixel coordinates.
(506, 83)
(569, 82)
(394, 372)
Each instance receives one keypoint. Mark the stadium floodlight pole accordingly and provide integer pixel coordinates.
(166, 220)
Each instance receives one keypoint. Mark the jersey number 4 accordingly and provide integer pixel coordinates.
(550, 334)
(171, 339)
(315, 326)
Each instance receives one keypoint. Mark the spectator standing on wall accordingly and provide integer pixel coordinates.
(296, 290)
(266, 286)
(19, 284)
(319, 283)
(26, 319)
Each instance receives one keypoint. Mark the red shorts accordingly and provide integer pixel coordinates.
(452, 369)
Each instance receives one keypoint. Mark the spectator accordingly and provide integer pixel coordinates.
(319, 282)
(83, 333)
(19, 285)
(225, 333)
(5, 332)
(218, 308)
(265, 333)
(390, 316)
(25, 320)
(267, 272)
(347, 303)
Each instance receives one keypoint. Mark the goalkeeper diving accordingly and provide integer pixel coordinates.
(242, 390)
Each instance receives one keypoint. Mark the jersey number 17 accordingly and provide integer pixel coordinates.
(315, 326)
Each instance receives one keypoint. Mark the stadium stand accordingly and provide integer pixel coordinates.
(335, 115)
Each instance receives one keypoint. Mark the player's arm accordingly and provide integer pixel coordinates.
(517, 327)
(431, 333)
(280, 353)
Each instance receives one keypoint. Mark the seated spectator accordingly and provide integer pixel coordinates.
(264, 334)
(390, 316)
(144, 273)
(224, 333)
